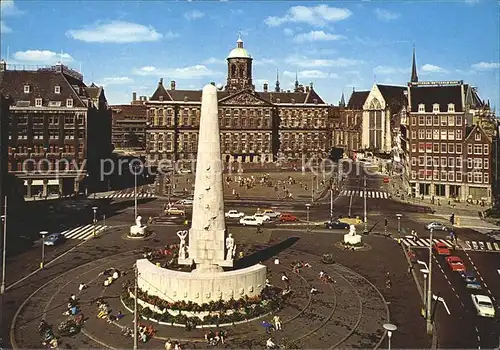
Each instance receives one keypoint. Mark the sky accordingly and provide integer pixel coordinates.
(127, 46)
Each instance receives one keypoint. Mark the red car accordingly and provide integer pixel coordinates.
(288, 217)
(441, 248)
(456, 264)
(386, 180)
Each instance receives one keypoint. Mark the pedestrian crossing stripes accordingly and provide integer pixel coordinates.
(467, 245)
(361, 193)
(125, 195)
(83, 232)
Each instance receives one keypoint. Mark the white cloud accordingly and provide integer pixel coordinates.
(42, 56)
(385, 15)
(288, 31)
(119, 32)
(317, 35)
(430, 68)
(192, 15)
(214, 60)
(307, 74)
(306, 62)
(486, 65)
(191, 72)
(9, 8)
(4, 28)
(265, 62)
(116, 81)
(315, 16)
(386, 70)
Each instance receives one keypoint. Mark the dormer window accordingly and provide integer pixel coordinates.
(451, 107)
(315, 101)
(26, 89)
(292, 100)
(57, 89)
(421, 108)
(160, 98)
(38, 102)
(477, 136)
(69, 102)
(435, 108)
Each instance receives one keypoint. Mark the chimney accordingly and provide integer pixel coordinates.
(265, 87)
(172, 85)
(212, 83)
(307, 88)
(134, 96)
(160, 82)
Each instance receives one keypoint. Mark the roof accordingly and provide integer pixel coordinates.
(394, 96)
(357, 99)
(129, 112)
(239, 52)
(308, 97)
(483, 298)
(42, 83)
(443, 95)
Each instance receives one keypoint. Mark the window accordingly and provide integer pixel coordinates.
(451, 135)
(459, 134)
(435, 147)
(436, 162)
(451, 148)
(69, 102)
(443, 148)
(444, 175)
(413, 161)
(459, 176)
(486, 163)
(413, 134)
(421, 147)
(469, 149)
(421, 120)
(428, 174)
(428, 147)
(414, 147)
(57, 89)
(478, 163)
(413, 175)
(429, 120)
(478, 177)
(451, 108)
(486, 178)
(459, 148)
(444, 120)
(436, 120)
(428, 134)
(421, 174)
(435, 134)
(26, 89)
(451, 120)
(451, 162)
(413, 121)
(428, 161)
(486, 149)
(469, 177)
(421, 108)
(421, 134)
(469, 163)
(459, 120)
(435, 108)
(443, 162)
(421, 161)
(477, 136)
(443, 134)
(435, 175)
(38, 102)
(451, 176)
(478, 149)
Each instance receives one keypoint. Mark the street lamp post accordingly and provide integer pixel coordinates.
(307, 208)
(95, 219)
(389, 327)
(4, 247)
(399, 222)
(42, 262)
(312, 187)
(135, 192)
(331, 202)
(426, 273)
(365, 218)
(429, 286)
(135, 306)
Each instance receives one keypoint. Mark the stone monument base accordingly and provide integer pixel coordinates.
(138, 230)
(352, 239)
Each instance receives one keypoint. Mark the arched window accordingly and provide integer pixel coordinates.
(240, 71)
(233, 70)
(375, 104)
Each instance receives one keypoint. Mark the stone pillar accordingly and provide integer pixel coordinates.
(447, 191)
(44, 188)
(28, 191)
(417, 189)
(365, 131)
(76, 186)
(61, 187)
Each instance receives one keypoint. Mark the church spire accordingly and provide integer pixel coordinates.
(296, 81)
(342, 101)
(414, 76)
(277, 87)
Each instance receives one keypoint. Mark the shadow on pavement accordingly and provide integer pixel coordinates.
(265, 254)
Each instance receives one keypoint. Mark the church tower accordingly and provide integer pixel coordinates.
(239, 69)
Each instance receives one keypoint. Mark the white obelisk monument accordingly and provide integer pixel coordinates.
(207, 235)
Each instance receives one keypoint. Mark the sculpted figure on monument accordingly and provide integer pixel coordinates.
(138, 222)
(230, 247)
(182, 246)
(352, 230)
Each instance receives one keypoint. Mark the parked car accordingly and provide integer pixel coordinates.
(288, 217)
(271, 213)
(186, 202)
(54, 239)
(455, 263)
(175, 211)
(386, 180)
(336, 224)
(250, 221)
(470, 280)
(262, 217)
(436, 226)
(184, 171)
(483, 305)
(441, 248)
(234, 214)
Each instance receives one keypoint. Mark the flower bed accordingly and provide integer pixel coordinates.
(215, 313)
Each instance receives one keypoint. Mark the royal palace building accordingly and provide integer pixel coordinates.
(255, 126)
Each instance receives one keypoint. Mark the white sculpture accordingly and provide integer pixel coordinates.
(182, 246)
(352, 238)
(352, 230)
(138, 229)
(230, 247)
(138, 222)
